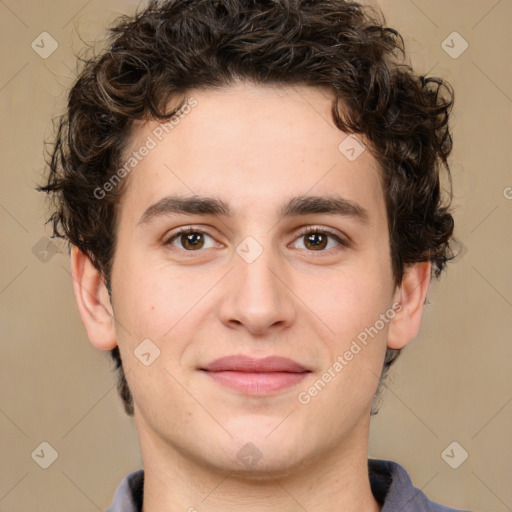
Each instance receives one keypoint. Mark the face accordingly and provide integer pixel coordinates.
(259, 275)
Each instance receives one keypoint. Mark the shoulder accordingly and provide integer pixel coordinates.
(393, 488)
(129, 494)
(390, 484)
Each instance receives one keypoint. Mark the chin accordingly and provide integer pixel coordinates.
(262, 457)
(266, 468)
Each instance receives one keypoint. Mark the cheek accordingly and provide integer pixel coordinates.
(147, 300)
(352, 299)
(158, 304)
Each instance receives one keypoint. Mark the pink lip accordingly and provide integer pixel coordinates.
(256, 376)
(240, 363)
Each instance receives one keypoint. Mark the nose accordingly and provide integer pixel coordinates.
(257, 297)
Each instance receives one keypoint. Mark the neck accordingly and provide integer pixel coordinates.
(177, 481)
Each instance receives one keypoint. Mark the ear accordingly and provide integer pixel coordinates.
(411, 295)
(93, 301)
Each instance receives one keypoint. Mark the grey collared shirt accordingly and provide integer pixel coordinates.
(389, 481)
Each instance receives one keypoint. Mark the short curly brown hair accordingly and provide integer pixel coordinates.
(173, 46)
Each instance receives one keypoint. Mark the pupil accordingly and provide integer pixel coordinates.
(192, 239)
(318, 244)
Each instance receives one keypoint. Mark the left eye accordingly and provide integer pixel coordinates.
(316, 239)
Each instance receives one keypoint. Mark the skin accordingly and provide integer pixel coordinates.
(253, 147)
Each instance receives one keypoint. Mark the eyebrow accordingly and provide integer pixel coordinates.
(297, 206)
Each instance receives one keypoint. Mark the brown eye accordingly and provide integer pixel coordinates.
(192, 241)
(319, 240)
(316, 241)
(189, 240)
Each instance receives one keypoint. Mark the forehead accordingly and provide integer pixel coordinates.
(253, 146)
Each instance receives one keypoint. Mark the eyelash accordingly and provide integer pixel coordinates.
(343, 243)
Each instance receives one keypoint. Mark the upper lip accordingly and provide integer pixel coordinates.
(241, 363)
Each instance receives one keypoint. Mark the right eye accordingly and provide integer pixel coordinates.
(190, 239)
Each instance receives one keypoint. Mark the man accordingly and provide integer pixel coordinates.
(251, 193)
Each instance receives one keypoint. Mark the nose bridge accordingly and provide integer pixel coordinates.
(258, 297)
(258, 276)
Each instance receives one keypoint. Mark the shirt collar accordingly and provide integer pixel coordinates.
(389, 482)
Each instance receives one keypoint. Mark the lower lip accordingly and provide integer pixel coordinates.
(257, 383)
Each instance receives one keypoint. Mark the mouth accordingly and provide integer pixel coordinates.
(254, 376)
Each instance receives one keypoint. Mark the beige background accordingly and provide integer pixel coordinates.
(452, 384)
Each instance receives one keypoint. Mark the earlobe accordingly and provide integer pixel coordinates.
(411, 295)
(93, 301)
